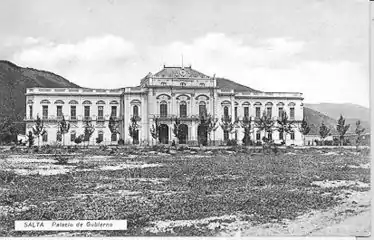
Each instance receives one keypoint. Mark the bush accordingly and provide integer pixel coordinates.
(121, 142)
(99, 140)
(61, 160)
(103, 147)
(7, 176)
(232, 142)
(183, 148)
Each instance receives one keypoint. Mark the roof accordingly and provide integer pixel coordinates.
(179, 72)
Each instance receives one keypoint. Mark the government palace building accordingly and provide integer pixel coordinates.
(174, 96)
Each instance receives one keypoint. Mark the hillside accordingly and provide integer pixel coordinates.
(348, 110)
(13, 83)
(318, 113)
(224, 83)
(351, 112)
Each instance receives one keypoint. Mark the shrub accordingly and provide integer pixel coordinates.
(61, 160)
(98, 140)
(103, 147)
(232, 142)
(183, 148)
(7, 176)
(121, 142)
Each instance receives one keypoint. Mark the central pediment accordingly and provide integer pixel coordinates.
(180, 72)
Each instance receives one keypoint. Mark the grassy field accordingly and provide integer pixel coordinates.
(184, 194)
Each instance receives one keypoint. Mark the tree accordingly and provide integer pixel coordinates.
(226, 124)
(323, 132)
(30, 139)
(89, 129)
(64, 128)
(285, 126)
(246, 124)
(113, 125)
(155, 130)
(266, 124)
(304, 128)
(8, 130)
(342, 129)
(39, 129)
(134, 128)
(359, 131)
(211, 126)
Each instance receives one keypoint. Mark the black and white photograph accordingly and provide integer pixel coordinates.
(172, 118)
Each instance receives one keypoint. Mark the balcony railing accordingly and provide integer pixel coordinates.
(51, 118)
(100, 119)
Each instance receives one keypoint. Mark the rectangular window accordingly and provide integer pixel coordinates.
(280, 112)
(100, 113)
(73, 112)
(258, 136)
(45, 137)
(72, 136)
(270, 137)
(87, 112)
(280, 135)
(163, 109)
(258, 112)
(225, 135)
(268, 112)
(183, 110)
(236, 112)
(114, 137)
(59, 112)
(45, 112)
(100, 136)
(30, 111)
(292, 135)
(114, 111)
(292, 113)
(246, 111)
(202, 110)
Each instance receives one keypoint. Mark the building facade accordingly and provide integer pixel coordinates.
(173, 94)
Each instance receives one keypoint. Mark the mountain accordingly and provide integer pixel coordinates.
(351, 113)
(348, 110)
(328, 113)
(13, 83)
(315, 118)
(224, 83)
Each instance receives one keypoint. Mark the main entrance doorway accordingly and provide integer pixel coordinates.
(164, 134)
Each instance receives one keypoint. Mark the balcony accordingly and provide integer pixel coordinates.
(100, 119)
(73, 119)
(174, 116)
(137, 118)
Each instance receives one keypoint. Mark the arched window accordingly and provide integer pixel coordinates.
(135, 111)
(202, 84)
(183, 84)
(163, 84)
(202, 109)
(183, 109)
(163, 109)
(226, 111)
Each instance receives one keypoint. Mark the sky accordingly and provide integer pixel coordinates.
(317, 47)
